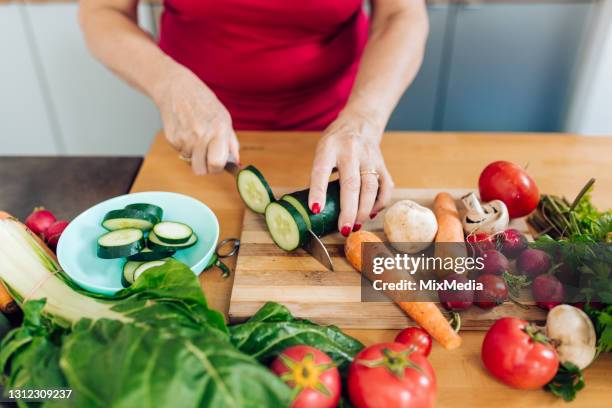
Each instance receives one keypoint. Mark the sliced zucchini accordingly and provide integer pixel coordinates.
(300, 207)
(151, 209)
(128, 272)
(120, 243)
(327, 220)
(157, 245)
(147, 255)
(254, 189)
(128, 218)
(170, 232)
(286, 225)
(145, 266)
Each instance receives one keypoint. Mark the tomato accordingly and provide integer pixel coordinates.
(312, 374)
(518, 354)
(391, 375)
(502, 180)
(417, 337)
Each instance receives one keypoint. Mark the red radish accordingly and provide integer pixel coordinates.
(55, 229)
(494, 292)
(495, 263)
(511, 243)
(40, 220)
(533, 262)
(479, 242)
(457, 299)
(547, 291)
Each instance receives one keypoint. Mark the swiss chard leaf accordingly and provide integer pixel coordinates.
(567, 382)
(272, 329)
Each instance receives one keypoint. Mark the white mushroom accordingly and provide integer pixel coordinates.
(410, 227)
(573, 334)
(490, 218)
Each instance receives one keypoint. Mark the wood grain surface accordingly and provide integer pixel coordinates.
(559, 164)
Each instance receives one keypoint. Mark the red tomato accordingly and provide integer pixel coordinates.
(417, 337)
(502, 180)
(312, 374)
(391, 375)
(518, 354)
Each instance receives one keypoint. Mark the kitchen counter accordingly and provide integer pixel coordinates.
(560, 164)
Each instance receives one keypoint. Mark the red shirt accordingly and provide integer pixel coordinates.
(275, 64)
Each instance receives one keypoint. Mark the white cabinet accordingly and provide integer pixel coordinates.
(97, 113)
(25, 124)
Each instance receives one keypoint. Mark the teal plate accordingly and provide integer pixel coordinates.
(76, 250)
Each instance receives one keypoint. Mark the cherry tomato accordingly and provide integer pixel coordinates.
(518, 354)
(505, 181)
(312, 374)
(391, 375)
(494, 292)
(417, 337)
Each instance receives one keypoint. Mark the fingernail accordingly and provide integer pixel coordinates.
(316, 208)
(356, 227)
(346, 230)
(373, 215)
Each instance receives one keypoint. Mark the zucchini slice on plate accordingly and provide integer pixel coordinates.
(170, 232)
(327, 220)
(120, 243)
(151, 209)
(158, 245)
(286, 226)
(254, 189)
(128, 218)
(145, 266)
(128, 272)
(147, 255)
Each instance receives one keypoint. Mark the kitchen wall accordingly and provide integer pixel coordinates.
(491, 65)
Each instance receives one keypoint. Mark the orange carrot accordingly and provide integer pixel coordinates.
(449, 239)
(425, 314)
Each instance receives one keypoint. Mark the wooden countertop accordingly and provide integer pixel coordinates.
(560, 164)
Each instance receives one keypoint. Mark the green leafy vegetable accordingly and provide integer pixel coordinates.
(602, 320)
(567, 382)
(272, 329)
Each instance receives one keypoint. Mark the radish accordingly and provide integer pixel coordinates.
(547, 291)
(458, 299)
(54, 232)
(479, 242)
(511, 243)
(40, 220)
(573, 334)
(533, 262)
(494, 292)
(495, 263)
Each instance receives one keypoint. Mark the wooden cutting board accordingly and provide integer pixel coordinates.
(264, 273)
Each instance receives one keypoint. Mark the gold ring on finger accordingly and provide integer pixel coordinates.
(185, 158)
(370, 171)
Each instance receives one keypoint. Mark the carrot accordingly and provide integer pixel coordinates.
(425, 314)
(450, 242)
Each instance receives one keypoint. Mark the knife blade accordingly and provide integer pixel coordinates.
(317, 250)
(232, 168)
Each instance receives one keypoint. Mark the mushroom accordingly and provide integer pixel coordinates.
(488, 217)
(573, 334)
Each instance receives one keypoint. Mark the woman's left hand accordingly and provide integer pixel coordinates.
(352, 144)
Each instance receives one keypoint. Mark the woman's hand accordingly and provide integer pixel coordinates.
(195, 122)
(352, 144)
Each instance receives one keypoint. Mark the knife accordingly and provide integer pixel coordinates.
(313, 244)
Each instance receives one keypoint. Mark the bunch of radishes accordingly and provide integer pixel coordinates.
(44, 224)
(497, 252)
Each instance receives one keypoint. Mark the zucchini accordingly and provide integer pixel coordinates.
(151, 209)
(327, 220)
(145, 266)
(254, 189)
(157, 245)
(286, 226)
(120, 243)
(128, 272)
(147, 255)
(170, 232)
(128, 218)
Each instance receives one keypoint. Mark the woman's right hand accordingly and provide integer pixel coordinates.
(195, 122)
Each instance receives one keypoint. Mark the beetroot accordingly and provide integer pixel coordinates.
(511, 243)
(547, 291)
(456, 299)
(533, 262)
(495, 263)
(494, 292)
(479, 242)
(40, 220)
